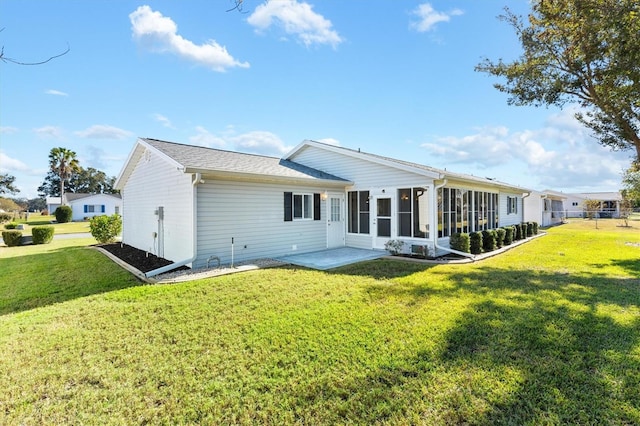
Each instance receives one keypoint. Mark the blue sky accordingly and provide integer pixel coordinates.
(390, 77)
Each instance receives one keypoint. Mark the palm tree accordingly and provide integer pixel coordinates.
(64, 163)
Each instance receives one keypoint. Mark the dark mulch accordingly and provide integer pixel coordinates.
(139, 259)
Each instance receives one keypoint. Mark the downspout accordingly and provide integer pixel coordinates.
(435, 230)
(543, 198)
(197, 178)
(524, 195)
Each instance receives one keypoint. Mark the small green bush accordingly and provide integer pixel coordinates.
(105, 228)
(12, 238)
(500, 234)
(460, 242)
(535, 228)
(42, 234)
(529, 229)
(508, 235)
(517, 233)
(63, 214)
(475, 241)
(5, 217)
(10, 225)
(489, 240)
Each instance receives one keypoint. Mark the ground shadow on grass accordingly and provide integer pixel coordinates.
(531, 347)
(59, 275)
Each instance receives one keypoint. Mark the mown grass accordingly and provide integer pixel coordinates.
(547, 333)
(60, 228)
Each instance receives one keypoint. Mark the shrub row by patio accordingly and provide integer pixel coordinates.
(491, 239)
(42, 234)
(12, 238)
(460, 242)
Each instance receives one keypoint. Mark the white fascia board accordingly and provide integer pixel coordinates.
(256, 177)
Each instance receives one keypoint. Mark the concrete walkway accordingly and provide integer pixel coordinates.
(332, 258)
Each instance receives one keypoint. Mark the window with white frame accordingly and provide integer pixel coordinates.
(358, 212)
(302, 206)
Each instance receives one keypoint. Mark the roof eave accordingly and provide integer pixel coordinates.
(256, 177)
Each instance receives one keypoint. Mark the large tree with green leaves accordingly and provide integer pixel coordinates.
(579, 51)
(6, 184)
(64, 164)
(88, 181)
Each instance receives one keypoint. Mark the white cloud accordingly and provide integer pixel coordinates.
(8, 164)
(260, 142)
(206, 138)
(428, 17)
(100, 159)
(163, 120)
(56, 92)
(559, 155)
(297, 19)
(158, 32)
(7, 130)
(101, 131)
(255, 142)
(51, 132)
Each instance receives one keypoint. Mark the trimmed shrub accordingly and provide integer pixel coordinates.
(535, 228)
(460, 242)
(42, 234)
(517, 233)
(475, 242)
(63, 214)
(5, 217)
(508, 235)
(44, 212)
(10, 225)
(500, 234)
(105, 228)
(489, 240)
(529, 227)
(12, 238)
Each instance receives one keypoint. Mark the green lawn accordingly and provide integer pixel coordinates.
(547, 333)
(60, 228)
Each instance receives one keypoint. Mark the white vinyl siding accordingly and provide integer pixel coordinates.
(512, 218)
(156, 183)
(251, 214)
(365, 174)
(94, 205)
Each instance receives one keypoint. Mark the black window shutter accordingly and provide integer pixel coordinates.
(316, 206)
(288, 206)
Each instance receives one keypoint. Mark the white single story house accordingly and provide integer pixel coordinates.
(53, 203)
(545, 207)
(191, 203)
(609, 203)
(88, 205)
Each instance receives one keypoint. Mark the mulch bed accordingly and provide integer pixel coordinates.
(139, 259)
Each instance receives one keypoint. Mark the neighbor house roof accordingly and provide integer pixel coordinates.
(405, 165)
(73, 196)
(230, 164)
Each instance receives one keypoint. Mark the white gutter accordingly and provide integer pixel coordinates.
(435, 239)
(197, 178)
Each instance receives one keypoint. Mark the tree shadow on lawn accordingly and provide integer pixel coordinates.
(36, 280)
(530, 347)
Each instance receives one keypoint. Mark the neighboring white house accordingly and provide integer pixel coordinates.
(609, 203)
(545, 207)
(190, 203)
(52, 204)
(88, 205)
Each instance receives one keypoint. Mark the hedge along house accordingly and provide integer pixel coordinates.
(194, 205)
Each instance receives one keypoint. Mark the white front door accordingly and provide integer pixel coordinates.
(335, 221)
(381, 221)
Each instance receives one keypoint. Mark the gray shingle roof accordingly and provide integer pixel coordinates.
(203, 159)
